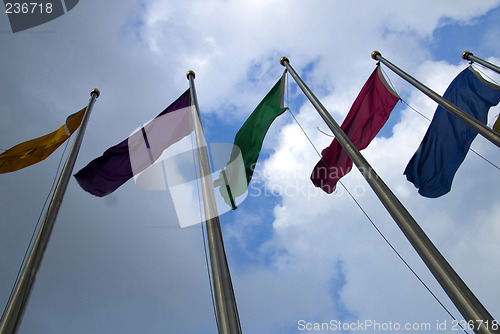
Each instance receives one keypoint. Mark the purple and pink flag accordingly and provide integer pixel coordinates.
(121, 162)
(367, 116)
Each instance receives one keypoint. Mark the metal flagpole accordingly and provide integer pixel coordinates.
(459, 293)
(468, 119)
(467, 55)
(17, 303)
(225, 302)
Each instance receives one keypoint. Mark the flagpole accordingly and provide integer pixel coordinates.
(14, 311)
(467, 55)
(468, 119)
(465, 301)
(225, 302)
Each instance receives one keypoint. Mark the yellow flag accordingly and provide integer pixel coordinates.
(36, 150)
(496, 126)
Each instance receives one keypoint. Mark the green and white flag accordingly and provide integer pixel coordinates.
(248, 143)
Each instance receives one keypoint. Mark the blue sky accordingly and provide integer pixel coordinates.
(119, 264)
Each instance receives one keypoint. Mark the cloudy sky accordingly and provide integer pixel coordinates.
(120, 264)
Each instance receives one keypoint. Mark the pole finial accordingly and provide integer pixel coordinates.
(466, 55)
(95, 91)
(375, 54)
(282, 60)
(190, 72)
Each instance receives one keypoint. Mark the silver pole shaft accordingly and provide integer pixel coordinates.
(12, 317)
(225, 302)
(468, 119)
(467, 55)
(459, 293)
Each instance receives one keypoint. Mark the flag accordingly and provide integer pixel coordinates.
(496, 126)
(248, 143)
(133, 155)
(367, 115)
(447, 141)
(36, 150)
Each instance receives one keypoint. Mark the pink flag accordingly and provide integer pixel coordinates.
(368, 114)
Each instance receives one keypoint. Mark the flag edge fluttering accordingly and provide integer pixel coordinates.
(413, 170)
(35, 150)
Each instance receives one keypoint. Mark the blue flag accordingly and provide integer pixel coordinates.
(447, 141)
